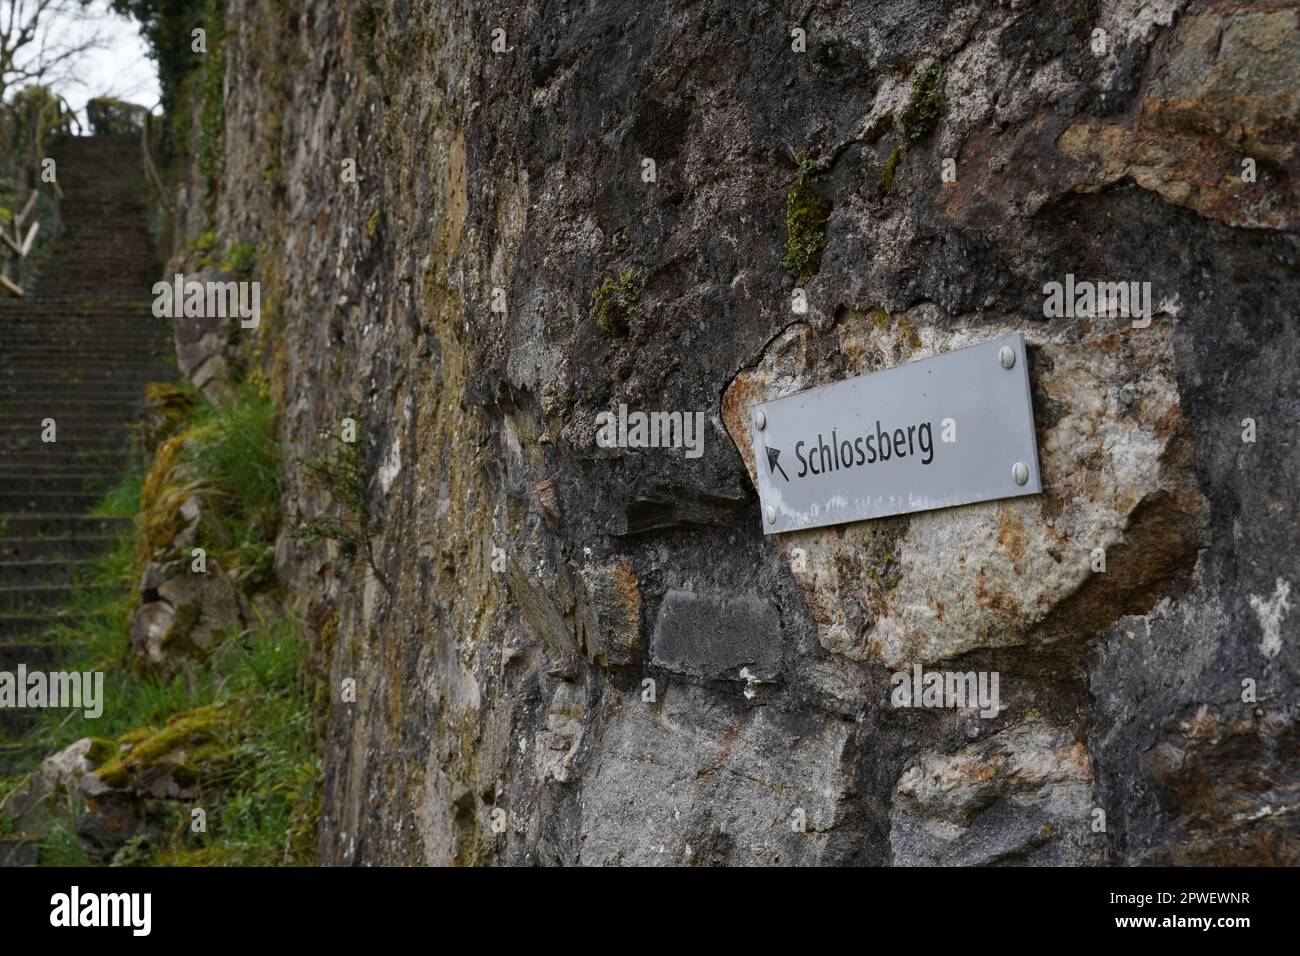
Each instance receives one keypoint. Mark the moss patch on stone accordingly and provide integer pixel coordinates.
(189, 742)
(615, 300)
(923, 108)
(366, 22)
(887, 177)
(916, 119)
(806, 214)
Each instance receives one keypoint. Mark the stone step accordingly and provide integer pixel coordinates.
(67, 420)
(11, 501)
(34, 627)
(20, 480)
(109, 468)
(71, 403)
(65, 456)
(33, 654)
(13, 451)
(41, 393)
(43, 572)
(45, 597)
(34, 549)
(60, 525)
(84, 366)
(79, 347)
(15, 426)
(52, 379)
(12, 431)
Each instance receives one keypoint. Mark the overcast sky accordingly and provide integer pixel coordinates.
(121, 69)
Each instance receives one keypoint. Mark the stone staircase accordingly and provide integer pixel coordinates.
(78, 349)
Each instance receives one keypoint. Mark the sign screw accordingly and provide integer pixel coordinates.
(771, 515)
(760, 420)
(1020, 472)
(1007, 356)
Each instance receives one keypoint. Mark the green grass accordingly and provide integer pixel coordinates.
(235, 449)
(123, 499)
(262, 795)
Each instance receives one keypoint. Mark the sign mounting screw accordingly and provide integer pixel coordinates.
(771, 515)
(760, 420)
(1020, 472)
(1007, 356)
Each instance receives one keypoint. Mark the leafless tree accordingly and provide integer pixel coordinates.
(40, 40)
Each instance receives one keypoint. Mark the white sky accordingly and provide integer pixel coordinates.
(122, 68)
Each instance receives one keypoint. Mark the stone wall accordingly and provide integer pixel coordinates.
(531, 583)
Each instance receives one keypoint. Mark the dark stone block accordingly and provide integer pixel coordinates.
(713, 636)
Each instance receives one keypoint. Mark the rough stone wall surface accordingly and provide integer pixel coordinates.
(533, 582)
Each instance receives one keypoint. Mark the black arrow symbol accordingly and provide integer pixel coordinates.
(773, 464)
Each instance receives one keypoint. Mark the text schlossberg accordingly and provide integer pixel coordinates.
(865, 449)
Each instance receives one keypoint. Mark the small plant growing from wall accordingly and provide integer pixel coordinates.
(343, 471)
(923, 107)
(614, 301)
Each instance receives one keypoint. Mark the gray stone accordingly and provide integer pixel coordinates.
(714, 636)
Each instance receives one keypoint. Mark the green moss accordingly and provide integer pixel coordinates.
(917, 119)
(188, 741)
(162, 494)
(923, 108)
(887, 177)
(366, 22)
(203, 242)
(205, 95)
(239, 259)
(614, 301)
(806, 214)
(906, 334)
(100, 752)
(372, 225)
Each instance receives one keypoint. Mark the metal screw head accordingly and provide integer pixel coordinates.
(1020, 472)
(771, 515)
(1007, 356)
(760, 420)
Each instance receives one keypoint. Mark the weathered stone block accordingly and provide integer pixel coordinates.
(1023, 795)
(714, 636)
(610, 613)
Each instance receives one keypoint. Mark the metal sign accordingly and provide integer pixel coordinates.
(947, 430)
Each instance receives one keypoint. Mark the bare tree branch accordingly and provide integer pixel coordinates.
(39, 40)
